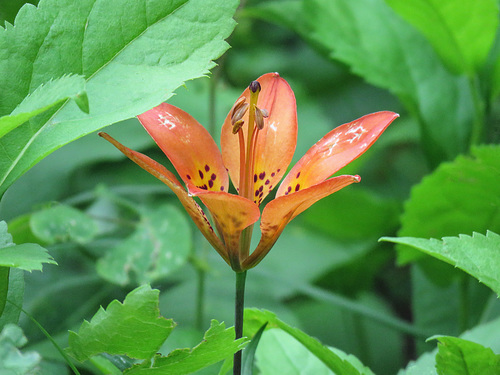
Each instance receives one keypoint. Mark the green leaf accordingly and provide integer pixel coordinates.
(133, 328)
(12, 360)
(218, 344)
(337, 361)
(461, 31)
(62, 223)
(28, 256)
(45, 97)
(462, 357)
(477, 255)
(249, 353)
(458, 197)
(133, 55)
(160, 244)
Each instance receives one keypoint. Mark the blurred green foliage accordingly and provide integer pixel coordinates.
(434, 173)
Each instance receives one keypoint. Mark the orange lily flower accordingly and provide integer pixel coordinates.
(258, 140)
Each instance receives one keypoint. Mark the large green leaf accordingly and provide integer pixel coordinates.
(218, 344)
(133, 328)
(45, 97)
(133, 55)
(461, 31)
(458, 197)
(457, 356)
(379, 46)
(160, 244)
(477, 255)
(336, 361)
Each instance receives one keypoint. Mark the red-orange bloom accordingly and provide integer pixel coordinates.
(258, 140)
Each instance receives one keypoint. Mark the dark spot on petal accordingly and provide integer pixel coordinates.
(273, 174)
(222, 188)
(257, 192)
(298, 175)
(201, 173)
(211, 183)
(213, 176)
(289, 189)
(254, 178)
(262, 175)
(267, 182)
(207, 168)
(188, 177)
(261, 194)
(286, 192)
(270, 187)
(297, 187)
(261, 187)
(278, 171)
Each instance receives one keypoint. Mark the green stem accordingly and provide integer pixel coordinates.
(239, 305)
(49, 337)
(200, 297)
(464, 303)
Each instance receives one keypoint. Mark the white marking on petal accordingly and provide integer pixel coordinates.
(165, 121)
(273, 126)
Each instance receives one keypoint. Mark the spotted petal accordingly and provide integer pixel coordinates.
(276, 141)
(188, 145)
(335, 150)
(168, 178)
(231, 214)
(280, 211)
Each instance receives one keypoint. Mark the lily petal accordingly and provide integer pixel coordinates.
(188, 145)
(280, 211)
(231, 214)
(169, 179)
(276, 141)
(335, 150)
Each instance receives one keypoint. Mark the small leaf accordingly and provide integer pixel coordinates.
(477, 255)
(337, 361)
(457, 356)
(47, 95)
(218, 344)
(15, 296)
(160, 244)
(12, 360)
(28, 256)
(133, 328)
(61, 224)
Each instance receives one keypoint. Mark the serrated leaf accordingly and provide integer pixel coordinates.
(458, 197)
(477, 255)
(62, 224)
(160, 244)
(457, 356)
(461, 31)
(27, 256)
(337, 361)
(12, 360)
(45, 97)
(218, 344)
(133, 55)
(133, 328)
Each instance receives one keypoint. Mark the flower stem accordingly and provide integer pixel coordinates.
(239, 303)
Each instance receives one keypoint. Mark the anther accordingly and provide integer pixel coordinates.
(254, 86)
(237, 126)
(238, 113)
(260, 114)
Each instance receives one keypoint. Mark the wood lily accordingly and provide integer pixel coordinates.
(258, 140)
